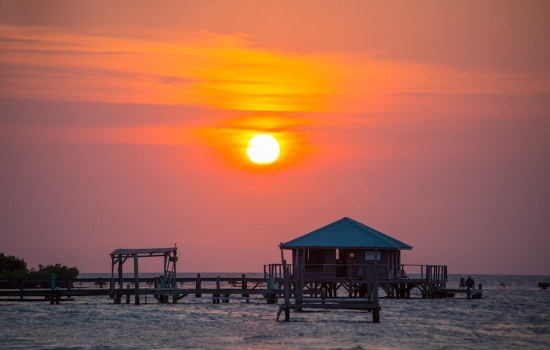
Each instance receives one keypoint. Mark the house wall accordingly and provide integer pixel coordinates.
(388, 265)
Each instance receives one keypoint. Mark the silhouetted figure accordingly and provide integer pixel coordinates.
(470, 282)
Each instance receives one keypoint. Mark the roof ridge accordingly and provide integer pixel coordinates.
(383, 235)
(314, 231)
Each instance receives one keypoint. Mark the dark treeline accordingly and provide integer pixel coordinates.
(11, 267)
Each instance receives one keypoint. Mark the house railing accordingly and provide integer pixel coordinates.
(436, 274)
(276, 271)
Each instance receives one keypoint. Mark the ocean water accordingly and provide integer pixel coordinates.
(515, 317)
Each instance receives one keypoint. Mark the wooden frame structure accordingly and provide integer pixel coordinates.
(298, 282)
(119, 256)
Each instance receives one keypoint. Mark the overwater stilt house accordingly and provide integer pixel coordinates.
(342, 247)
(340, 254)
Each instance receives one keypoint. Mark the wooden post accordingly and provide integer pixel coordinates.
(300, 276)
(376, 311)
(218, 295)
(120, 283)
(52, 286)
(218, 287)
(128, 295)
(174, 278)
(350, 290)
(164, 282)
(376, 315)
(198, 285)
(244, 284)
(112, 286)
(21, 288)
(286, 278)
(175, 258)
(136, 279)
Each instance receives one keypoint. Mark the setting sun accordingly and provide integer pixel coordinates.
(263, 149)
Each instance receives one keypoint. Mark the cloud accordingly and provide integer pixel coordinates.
(226, 72)
(333, 91)
(202, 68)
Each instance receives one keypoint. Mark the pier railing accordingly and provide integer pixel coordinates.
(437, 274)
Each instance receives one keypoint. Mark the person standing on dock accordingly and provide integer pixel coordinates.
(470, 283)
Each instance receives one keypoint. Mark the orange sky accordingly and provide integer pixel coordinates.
(126, 124)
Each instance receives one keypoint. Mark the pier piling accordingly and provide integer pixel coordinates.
(198, 285)
(136, 279)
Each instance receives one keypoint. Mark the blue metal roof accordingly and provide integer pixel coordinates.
(346, 233)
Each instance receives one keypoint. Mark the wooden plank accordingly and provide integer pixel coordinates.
(335, 306)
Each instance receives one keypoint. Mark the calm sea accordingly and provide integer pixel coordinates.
(514, 317)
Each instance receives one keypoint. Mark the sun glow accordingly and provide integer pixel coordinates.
(263, 149)
(231, 139)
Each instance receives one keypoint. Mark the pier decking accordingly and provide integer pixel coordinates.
(65, 290)
(428, 279)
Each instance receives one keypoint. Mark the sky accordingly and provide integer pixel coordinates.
(124, 124)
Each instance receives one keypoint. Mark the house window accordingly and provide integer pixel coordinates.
(352, 255)
(370, 255)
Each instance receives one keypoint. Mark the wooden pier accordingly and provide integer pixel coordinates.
(217, 289)
(323, 275)
(40, 290)
(66, 290)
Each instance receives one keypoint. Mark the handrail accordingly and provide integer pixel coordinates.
(433, 273)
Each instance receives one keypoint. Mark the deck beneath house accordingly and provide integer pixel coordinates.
(338, 280)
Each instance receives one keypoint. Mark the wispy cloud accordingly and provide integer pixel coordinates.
(229, 72)
(203, 68)
(225, 72)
